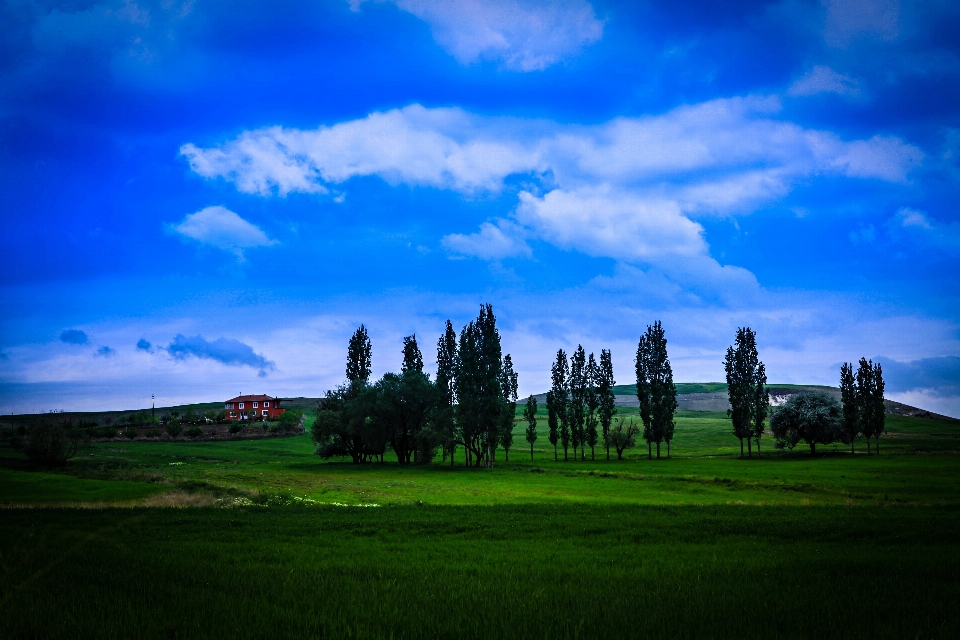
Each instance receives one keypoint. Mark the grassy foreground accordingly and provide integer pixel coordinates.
(702, 545)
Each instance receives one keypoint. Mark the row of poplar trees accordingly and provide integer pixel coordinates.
(814, 417)
(470, 404)
(581, 398)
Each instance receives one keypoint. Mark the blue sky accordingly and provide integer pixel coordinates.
(206, 198)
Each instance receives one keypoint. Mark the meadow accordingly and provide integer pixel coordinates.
(255, 538)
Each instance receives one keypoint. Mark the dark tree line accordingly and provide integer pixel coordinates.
(470, 404)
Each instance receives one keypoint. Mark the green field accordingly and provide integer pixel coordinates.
(272, 541)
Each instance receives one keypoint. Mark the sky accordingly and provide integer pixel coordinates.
(203, 199)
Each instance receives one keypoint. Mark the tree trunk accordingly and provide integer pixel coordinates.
(741, 447)
(565, 459)
(749, 447)
(758, 447)
(593, 455)
(813, 448)
(606, 443)
(556, 457)
(668, 448)
(649, 451)
(506, 455)
(658, 449)
(531, 452)
(868, 445)
(878, 445)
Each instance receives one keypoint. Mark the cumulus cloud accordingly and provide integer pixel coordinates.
(224, 229)
(525, 35)
(74, 336)
(601, 222)
(622, 189)
(493, 242)
(939, 376)
(823, 79)
(143, 344)
(223, 350)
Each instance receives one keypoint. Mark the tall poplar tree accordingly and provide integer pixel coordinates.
(509, 384)
(592, 405)
(412, 358)
(446, 387)
(605, 395)
(746, 380)
(655, 388)
(553, 423)
(530, 415)
(848, 399)
(870, 408)
(559, 396)
(359, 356)
(576, 410)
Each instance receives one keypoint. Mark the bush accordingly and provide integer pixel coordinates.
(236, 428)
(193, 432)
(103, 432)
(53, 444)
(289, 420)
(131, 432)
(174, 428)
(153, 433)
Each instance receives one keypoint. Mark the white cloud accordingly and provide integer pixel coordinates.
(622, 189)
(525, 35)
(926, 230)
(222, 228)
(601, 222)
(823, 79)
(492, 242)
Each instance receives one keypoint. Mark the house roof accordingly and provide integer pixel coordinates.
(251, 398)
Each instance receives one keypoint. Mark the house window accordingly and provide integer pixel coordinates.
(241, 405)
(233, 414)
(255, 405)
(266, 405)
(229, 405)
(266, 413)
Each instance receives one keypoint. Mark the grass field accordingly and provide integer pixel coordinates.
(701, 545)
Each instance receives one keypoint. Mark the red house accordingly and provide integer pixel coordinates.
(253, 408)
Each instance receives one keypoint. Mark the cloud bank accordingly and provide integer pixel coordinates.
(223, 350)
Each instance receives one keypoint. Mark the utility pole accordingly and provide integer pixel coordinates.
(153, 404)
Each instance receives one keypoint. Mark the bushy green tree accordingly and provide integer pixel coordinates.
(412, 358)
(815, 418)
(656, 392)
(607, 400)
(53, 443)
(530, 415)
(746, 388)
(559, 399)
(621, 436)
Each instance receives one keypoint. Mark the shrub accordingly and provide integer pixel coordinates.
(193, 432)
(174, 428)
(289, 420)
(131, 432)
(236, 428)
(104, 432)
(53, 444)
(153, 433)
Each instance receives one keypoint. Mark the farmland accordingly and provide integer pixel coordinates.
(271, 540)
